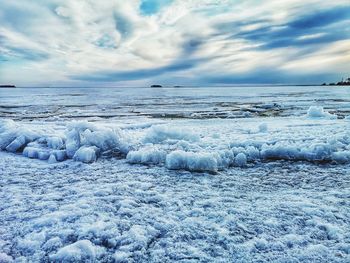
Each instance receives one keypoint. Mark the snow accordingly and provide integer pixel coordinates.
(232, 175)
(4, 258)
(265, 213)
(82, 251)
(177, 146)
(159, 133)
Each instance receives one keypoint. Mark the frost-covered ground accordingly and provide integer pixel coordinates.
(159, 175)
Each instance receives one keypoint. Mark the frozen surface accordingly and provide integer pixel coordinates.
(111, 210)
(194, 145)
(175, 175)
(56, 104)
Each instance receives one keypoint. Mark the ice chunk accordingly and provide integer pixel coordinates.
(86, 154)
(341, 157)
(319, 112)
(6, 138)
(55, 143)
(43, 155)
(263, 127)
(146, 156)
(17, 144)
(103, 139)
(72, 142)
(158, 134)
(52, 159)
(81, 126)
(31, 152)
(252, 153)
(241, 160)
(278, 151)
(80, 251)
(60, 155)
(224, 159)
(191, 161)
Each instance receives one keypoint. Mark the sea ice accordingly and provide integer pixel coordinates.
(160, 133)
(263, 127)
(191, 161)
(146, 156)
(179, 147)
(319, 112)
(86, 154)
(241, 159)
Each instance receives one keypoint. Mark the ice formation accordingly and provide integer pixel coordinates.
(174, 147)
(263, 127)
(158, 133)
(319, 112)
(82, 141)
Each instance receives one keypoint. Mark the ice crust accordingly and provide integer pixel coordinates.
(177, 147)
(113, 212)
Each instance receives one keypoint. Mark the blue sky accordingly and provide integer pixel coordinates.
(173, 42)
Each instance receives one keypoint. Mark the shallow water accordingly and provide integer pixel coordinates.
(184, 102)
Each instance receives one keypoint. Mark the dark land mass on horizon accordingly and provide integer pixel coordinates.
(7, 86)
(343, 82)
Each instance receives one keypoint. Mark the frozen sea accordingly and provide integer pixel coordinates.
(186, 174)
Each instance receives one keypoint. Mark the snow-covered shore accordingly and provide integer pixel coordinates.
(202, 145)
(110, 211)
(222, 179)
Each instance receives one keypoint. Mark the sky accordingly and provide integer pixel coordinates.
(173, 42)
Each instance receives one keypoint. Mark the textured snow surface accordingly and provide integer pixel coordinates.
(111, 211)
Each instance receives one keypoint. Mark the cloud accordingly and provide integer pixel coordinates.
(322, 18)
(114, 76)
(297, 32)
(192, 41)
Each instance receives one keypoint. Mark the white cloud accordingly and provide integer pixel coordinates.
(84, 36)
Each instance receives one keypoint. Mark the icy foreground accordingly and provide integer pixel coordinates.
(110, 212)
(277, 190)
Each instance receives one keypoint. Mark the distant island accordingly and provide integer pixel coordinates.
(156, 86)
(7, 86)
(340, 83)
